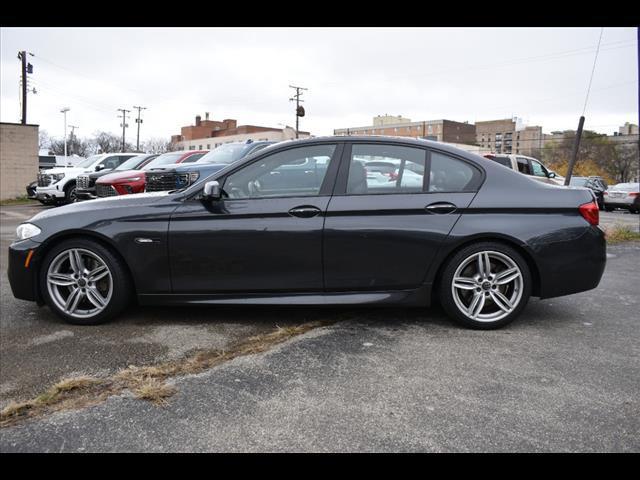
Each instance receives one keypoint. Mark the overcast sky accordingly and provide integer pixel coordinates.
(352, 74)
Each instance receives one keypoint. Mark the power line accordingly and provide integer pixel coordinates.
(592, 71)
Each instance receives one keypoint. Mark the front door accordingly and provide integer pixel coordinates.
(265, 235)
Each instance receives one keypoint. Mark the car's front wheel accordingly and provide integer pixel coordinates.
(485, 285)
(84, 282)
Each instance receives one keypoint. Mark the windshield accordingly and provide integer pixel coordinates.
(89, 161)
(132, 163)
(224, 154)
(166, 159)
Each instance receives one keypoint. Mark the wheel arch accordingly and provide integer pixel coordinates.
(55, 240)
(514, 243)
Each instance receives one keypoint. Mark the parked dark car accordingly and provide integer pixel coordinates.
(478, 237)
(86, 183)
(183, 175)
(596, 184)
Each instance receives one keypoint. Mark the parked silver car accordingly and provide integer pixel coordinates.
(623, 195)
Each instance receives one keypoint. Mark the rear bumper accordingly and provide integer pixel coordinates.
(23, 280)
(568, 267)
(618, 202)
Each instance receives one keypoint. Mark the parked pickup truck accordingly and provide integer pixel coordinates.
(175, 177)
(58, 185)
(527, 166)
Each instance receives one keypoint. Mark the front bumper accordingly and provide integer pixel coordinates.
(86, 193)
(24, 280)
(52, 192)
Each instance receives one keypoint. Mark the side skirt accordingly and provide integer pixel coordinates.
(414, 297)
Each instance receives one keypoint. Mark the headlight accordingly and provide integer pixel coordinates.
(193, 176)
(131, 179)
(27, 230)
(56, 177)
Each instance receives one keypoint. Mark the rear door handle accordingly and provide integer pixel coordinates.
(305, 211)
(441, 208)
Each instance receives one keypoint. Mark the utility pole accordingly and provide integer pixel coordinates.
(72, 136)
(138, 121)
(64, 111)
(299, 109)
(124, 124)
(574, 152)
(25, 68)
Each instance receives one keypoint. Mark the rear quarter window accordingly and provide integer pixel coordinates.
(450, 174)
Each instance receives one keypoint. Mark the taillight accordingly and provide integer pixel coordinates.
(590, 212)
(634, 194)
(606, 193)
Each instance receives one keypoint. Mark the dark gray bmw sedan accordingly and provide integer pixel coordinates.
(318, 222)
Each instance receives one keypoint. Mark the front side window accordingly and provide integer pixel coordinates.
(538, 169)
(449, 174)
(376, 169)
(297, 172)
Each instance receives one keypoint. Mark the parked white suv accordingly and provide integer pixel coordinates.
(527, 166)
(58, 185)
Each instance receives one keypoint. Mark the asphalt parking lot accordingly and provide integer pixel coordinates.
(562, 377)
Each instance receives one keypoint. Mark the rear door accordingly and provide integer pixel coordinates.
(385, 236)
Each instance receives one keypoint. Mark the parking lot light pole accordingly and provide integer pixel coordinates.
(64, 111)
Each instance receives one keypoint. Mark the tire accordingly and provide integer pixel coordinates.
(113, 288)
(70, 193)
(457, 302)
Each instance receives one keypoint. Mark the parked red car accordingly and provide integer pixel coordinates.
(133, 181)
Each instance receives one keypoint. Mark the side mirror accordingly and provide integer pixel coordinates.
(212, 190)
(100, 167)
(552, 174)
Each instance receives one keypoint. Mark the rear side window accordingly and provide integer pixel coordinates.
(523, 166)
(448, 174)
(378, 169)
(506, 161)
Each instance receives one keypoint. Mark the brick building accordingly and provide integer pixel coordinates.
(506, 136)
(208, 134)
(439, 130)
(18, 158)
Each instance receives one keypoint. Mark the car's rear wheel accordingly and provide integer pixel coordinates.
(485, 286)
(84, 282)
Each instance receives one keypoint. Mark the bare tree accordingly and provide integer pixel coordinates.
(156, 145)
(44, 141)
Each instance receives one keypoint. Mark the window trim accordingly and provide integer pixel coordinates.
(326, 189)
(340, 188)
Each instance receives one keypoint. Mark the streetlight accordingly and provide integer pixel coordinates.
(64, 111)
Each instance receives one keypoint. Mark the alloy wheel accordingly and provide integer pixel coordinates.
(79, 283)
(487, 286)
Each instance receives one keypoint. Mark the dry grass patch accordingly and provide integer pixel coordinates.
(146, 383)
(154, 390)
(621, 233)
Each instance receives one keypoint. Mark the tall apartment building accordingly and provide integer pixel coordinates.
(438, 130)
(208, 134)
(506, 136)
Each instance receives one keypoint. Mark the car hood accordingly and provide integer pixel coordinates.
(119, 176)
(99, 204)
(69, 170)
(201, 167)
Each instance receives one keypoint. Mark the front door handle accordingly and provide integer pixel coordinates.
(305, 211)
(441, 208)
